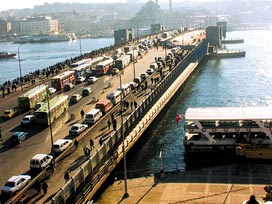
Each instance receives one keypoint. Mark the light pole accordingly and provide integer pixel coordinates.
(80, 45)
(49, 114)
(134, 74)
(123, 138)
(20, 68)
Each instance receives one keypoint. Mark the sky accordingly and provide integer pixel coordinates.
(20, 4)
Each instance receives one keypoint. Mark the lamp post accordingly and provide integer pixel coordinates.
(49, 114)
(134, 74)
(20, 68)
(123, 138)
(80, 46)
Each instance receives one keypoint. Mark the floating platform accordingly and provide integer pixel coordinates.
(228, 53)
(230, 41)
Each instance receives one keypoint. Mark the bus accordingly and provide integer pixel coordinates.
(58, 105)
(85, 69)
(122, 61)
(59, 81)
(29, 99)
(103, 67)
(78, 63)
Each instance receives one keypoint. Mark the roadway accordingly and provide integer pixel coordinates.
(15, 159)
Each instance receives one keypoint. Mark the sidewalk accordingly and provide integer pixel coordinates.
(231, 184)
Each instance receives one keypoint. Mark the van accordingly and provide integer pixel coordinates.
(104, 106)
(61, 144)
(93, 116)
(115, 97)
(125, 88)
(154, 66)
(40, 161)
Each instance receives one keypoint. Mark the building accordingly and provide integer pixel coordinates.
(42, 24)
(223, 29)
(156, 28)
(213, 35)
(123, 35)
(5, 27)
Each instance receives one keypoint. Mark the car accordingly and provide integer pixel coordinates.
(27, 120)
(77, 128)
(92, 79)
(144, 76)
(52, 90)
(115, 71)
(80, 79)
(86, 91)
(69, 86)
(133, 85)
(75, 98)
(15, 184)
(150, 71)
(10, 113)
(41, 161)
(61, 145)
(37, 106)
(18, 137)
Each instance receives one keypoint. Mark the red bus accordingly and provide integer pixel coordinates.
(59, 81)
(103, 67)
(104, 106)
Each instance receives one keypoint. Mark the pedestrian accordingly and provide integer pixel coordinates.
(76, 143)
(109, 124)
(66, 176)
(131, 105)
(135, 104)
(1, 139)
(82, 113)
(152, 80)
(114, 124)
(101, 141)
(91, 143)
(44, 188)
(112, 117)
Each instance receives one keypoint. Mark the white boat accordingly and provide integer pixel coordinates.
(42, 38)
(222, 128)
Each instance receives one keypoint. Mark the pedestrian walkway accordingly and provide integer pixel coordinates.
(230, 184)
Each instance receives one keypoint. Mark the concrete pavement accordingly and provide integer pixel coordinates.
(230, 184)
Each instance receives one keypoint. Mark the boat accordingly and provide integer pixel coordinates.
(7, 55)
(214, 129)
(42, 38)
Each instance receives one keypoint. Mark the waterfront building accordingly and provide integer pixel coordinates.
(213, 35)
(123, 35)
(5, 27)
(42, 24)
(223, 29)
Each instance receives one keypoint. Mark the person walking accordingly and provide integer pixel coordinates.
(82, 113)
(109, 124)
(135, 104)
(114, 124)
(66, 176)
(44, 188)
(76, 143)
(91, 143)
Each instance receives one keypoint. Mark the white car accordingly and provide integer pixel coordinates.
(77, 128)
(92, 79)
(15, 184)
(150, 71)
(52, 90)
(61, 144)
(75, 98)
(27, 120)
(80, 79)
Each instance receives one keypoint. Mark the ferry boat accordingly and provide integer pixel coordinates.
(42, 38)
(6, 55)
(215, 129)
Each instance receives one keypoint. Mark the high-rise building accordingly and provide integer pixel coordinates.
(4, 27)
(42, 24)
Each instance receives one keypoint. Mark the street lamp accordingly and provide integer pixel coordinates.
(80, 45)
(49, 114)
(20, 68)
(123, 138)
(134, 74)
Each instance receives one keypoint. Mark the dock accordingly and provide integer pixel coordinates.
(228, 54)
(232, 41)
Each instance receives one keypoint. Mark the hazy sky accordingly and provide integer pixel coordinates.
(19, 4)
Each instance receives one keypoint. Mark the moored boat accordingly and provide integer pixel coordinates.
(221, 129)
(6, 55)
